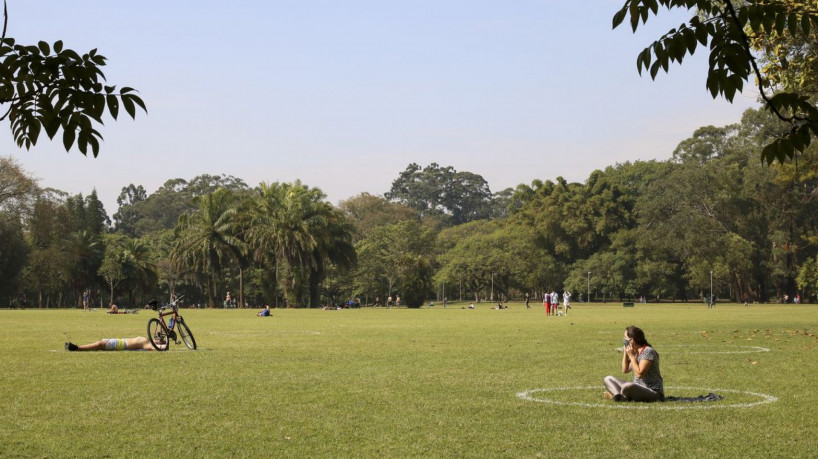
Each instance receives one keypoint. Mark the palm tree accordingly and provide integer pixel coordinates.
(292, 226)
(138, 267)
(334, 247)
(208, 238)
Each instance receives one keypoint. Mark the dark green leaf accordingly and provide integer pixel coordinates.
(68, 137)
(51, 126)
(793, 24)
(690, 41)
(780, 23)
(654, 69)
(619, 17)
(129, 106)
(44, 48)
(113, 105)
(82, 142)
(34, 130)
(138, 101)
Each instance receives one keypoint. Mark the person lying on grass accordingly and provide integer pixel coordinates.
(641, 358)
(139, 343)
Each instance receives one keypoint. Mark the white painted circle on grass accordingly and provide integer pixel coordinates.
(732, 349)
(762, 399)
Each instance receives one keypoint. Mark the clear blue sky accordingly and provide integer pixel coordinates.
(345, 94)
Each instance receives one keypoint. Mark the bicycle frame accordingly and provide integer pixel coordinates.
(174, 311)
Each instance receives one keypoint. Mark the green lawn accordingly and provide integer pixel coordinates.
(410, 383)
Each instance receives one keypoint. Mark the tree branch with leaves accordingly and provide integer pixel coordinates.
(51, 88)
(732, 30)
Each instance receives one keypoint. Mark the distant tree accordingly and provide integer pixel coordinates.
(292, 227)
(13, 253)
(140, 214)
(808, 278)
(17, 189)
(111, 270)
(81, 256)
(127, 215)
(732, 29)
(396, 260)
(366, 212)
(48, 225)
(502, 203)
(141, 273)
(96, 219)
(207, 238)
(442, 193)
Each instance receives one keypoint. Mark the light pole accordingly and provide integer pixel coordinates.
(588, 298)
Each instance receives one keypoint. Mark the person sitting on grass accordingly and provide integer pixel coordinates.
(139, 343)
(264, 312)
(641, 358)
(114, 309)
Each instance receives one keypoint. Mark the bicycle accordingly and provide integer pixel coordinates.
(160, 333)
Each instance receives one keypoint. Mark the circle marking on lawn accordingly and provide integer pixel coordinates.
(736, 349)
(762, 399)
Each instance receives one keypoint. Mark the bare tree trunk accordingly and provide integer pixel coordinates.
(241, 287)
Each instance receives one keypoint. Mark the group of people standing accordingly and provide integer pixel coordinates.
(551, 302)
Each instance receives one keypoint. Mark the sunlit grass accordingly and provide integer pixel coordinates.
(396, 383)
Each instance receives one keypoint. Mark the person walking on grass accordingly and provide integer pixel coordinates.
(566, 302)
(639, 357)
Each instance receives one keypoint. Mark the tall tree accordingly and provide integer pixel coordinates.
(111, 270)
(17, 189)
(13, 253)
(207, 237)
(396, 260)
(127, 215)
(140, 271)
(294, 229)
(443, 193)
(366, 212)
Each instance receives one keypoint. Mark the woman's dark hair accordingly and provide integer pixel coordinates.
(637, 335)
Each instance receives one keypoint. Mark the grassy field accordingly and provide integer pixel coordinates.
(411, 383)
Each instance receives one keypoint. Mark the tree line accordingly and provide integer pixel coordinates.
(663, 230)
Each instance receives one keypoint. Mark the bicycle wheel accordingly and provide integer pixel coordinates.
(158, 335)
(185, 333)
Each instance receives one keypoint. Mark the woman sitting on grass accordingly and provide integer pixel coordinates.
(637, 356)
